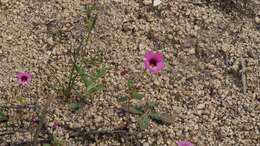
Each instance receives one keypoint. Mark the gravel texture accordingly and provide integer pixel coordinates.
(209, 46)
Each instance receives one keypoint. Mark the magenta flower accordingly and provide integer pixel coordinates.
(23, 78)
(184, 143)
(154, 61)
(55, 125)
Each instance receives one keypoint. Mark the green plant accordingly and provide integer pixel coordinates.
(2, 116)
(134, 94)
(55, 142)
(78, 74)
(145, 110)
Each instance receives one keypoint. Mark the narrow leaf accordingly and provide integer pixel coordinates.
(143, 121)
(130, 83)
(151, 104)
(137, 95)
(75, 106)
(2, 115)
(162, 118)
(57, 142)
(83, 76)
(155, 116)
(99, 73)
(93, 88)
(137, 110)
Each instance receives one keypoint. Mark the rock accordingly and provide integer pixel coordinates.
(147, 2)
(156, 2)
(191, 51)
(257, 20)
(50, 41)
(201, 106)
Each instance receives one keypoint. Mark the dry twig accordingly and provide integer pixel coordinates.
(243, 75)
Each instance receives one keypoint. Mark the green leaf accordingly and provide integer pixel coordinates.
(22, 100)
(162, 118)
(2, 115)
(99, 73)
(137, 95)
(155, 116)
(93, 23)
(75, 106)
(122, 98)
(151, 104)
(56, 142)
(46, 144)
(93, 88)
(136, 110)
(72, 79)
(83, 76)
(130, 83)
(143, 121)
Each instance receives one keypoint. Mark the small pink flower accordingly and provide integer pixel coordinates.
(154, 61)
(35, 120)
(184, 143)
(23, 78)
(55, 125)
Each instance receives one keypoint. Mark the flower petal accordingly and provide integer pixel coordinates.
(148, 55)
(20, 75)
(154, 56)
(184, 143)
(159, 56)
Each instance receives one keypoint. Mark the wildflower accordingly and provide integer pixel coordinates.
(184, 143)
(35, 120)
(154, 61)
(55, 125)
(23, 78)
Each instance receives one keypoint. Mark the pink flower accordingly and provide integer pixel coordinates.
(184, 143)
(154, 61)
(55, 125)
(23, 78)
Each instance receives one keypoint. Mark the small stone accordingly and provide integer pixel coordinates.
(258, 107)
(209, 66)
(146, 144)
(201, 106)
(156, 2)
(147, 2)
(170, 36)
(50, 41)
(257, 20)
(98, 119)
(191, 51)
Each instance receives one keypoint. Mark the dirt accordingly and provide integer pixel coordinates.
(204, 43)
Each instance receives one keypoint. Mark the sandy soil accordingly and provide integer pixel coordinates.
(204, 43)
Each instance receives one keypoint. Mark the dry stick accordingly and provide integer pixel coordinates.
(128, 108)
(13, 132)
(98, 132)
(17, 106)
(243, 76)
(41, 122)
(163, 117)
(41, 118)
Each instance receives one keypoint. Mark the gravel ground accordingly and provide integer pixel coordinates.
(204, 43)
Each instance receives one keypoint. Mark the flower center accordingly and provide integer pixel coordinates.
(153, 62)
(24, 78)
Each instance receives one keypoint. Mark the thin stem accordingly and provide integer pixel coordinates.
(42, 118)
